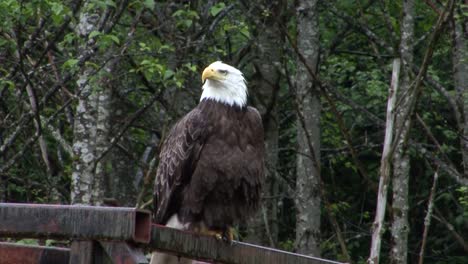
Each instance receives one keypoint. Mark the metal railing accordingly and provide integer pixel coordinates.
(118, 235)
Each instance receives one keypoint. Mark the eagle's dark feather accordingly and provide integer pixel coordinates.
(211, 166)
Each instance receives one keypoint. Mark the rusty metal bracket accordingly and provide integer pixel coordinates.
(11, 253)
(74, 222)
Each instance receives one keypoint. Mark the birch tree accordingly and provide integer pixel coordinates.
(308, 199)
(91, 124)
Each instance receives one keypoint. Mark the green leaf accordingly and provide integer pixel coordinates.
(114, 38)
(214, 10)
(56, 8)
(69, 38)
(91, 64)
(149, 4)
(168, 74)
(111, 3)
(245, 31)
(27, 241)
(146, 62)
(179, 12)
(187, 23)
(11, 85)
(191, 67)
(144, 47)
(70, 63)
(94, 34)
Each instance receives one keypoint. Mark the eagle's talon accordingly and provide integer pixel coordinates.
(218, 236)
(227, 240)
(228, 235)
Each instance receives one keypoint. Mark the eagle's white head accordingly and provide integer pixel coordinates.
(225, 84)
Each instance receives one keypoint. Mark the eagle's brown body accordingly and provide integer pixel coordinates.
(211, 166)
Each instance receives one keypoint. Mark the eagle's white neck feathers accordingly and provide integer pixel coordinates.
(230, 90)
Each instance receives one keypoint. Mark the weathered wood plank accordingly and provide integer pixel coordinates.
(74, 222)
(207, 248)
(11, 253)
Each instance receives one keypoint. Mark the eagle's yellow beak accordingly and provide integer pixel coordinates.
(211, 72)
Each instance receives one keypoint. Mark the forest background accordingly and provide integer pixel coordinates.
(364, 103)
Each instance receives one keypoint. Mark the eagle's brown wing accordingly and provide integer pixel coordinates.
(177, 160)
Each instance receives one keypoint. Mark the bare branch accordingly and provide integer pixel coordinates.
(440, 217)
(427, 219)
(359, 26)
(385, 166)
(27, 144)
(127, 125)
(58, 137)
(146, 183)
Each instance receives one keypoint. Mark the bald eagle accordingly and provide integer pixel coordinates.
(211, 165)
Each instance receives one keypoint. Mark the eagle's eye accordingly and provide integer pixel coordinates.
(223, 71)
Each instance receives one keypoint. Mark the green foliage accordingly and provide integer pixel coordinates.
(149, 4)
(287, 245)
(27, 241)
(214, 10)
(462, 219)
(185, 18)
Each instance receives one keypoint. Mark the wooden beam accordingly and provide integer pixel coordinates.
(74, 222)
(207, 248)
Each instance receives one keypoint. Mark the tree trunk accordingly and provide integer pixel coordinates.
(265, 87)
(460, 70)
(91, 128)
(308, 197)
(103, 125)
(401, 160)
